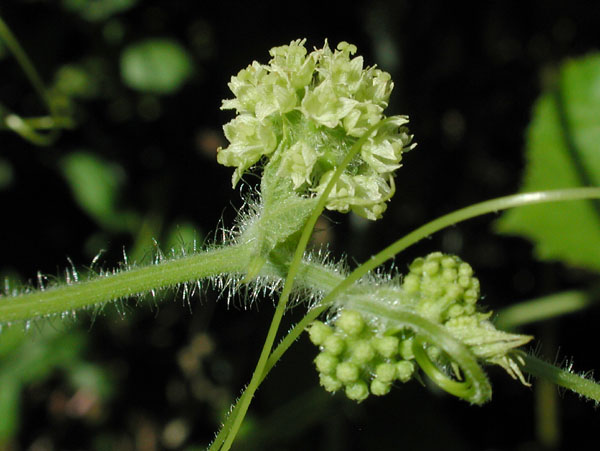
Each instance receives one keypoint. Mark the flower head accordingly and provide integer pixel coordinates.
(309, 109)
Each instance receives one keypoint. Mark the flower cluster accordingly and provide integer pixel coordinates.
(305, 111)
(366, 355)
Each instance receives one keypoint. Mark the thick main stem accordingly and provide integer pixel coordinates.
(103, 289)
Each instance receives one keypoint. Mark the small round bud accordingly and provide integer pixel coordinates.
(455, 310)
(318, 332)
(357, 391)
(448, 262)
(411, 283)
(362, 352)
(449, 274)
(386, 346)
(464, 281)
(406, 349)
(326, 363)
(385, 372)
(347, 372)
(334, 344)
(329, 383)
(416, 266)
(465, 270)
(431, 267)
(471, 296)
(404, 370)
(351, 322)
(380, 388)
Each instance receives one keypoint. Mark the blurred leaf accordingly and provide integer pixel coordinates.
(563, 150)
(95, 185)
(74, 81)
(159, 66)
(97, 10)
(27, 357)
(92, 378)
(10, 394)
(181, 236)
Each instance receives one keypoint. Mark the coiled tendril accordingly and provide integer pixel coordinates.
(430, 322)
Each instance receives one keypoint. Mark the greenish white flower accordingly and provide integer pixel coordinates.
(297, 163)
(310, 109)
(250, 139)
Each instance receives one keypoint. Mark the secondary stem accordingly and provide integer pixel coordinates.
(564, 378)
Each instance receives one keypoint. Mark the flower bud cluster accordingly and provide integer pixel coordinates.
(305, 111)
(443, 286)
(357, 359)
(365, 355)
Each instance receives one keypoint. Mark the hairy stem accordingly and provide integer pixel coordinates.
(102, 289)
(579, 384)
(234, 422)
(490, 206)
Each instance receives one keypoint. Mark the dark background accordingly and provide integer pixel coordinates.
(466, 75)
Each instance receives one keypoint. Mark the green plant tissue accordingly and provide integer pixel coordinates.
(563, 151)
(158, 66)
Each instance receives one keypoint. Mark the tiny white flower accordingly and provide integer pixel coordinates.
(297, 163)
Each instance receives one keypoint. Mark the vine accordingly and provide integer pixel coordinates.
(313, 125)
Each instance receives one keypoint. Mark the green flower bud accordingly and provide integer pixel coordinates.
(326, 363)
(357, 391)
(330, 383)
(404, 370)
(350, 322)
(334, 344)
(386, 346)
(318, 332)
(362, 352)
(385, 372)
(380, 388)
(347, 372)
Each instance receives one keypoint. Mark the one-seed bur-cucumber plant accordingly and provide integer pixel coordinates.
(312, 125)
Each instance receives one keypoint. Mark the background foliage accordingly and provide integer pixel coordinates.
(144, 81)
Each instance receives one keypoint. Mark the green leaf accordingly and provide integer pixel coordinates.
(563, 151)
(95, 185)
(159, 66)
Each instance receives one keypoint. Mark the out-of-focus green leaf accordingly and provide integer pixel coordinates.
(74, 81)
(29, 357)
(563, 150)
(181, 236)
(95, 185)
(97, 10)
(10, 393)
(159, 66)
(92, 378)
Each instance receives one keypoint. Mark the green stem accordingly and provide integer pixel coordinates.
(541, 309)
(13, 121)
(234, 422)
(490, 206)
(102, 289)
(564, 378)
